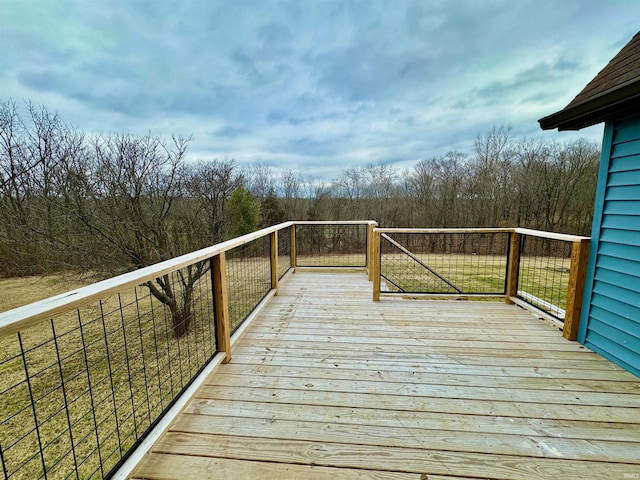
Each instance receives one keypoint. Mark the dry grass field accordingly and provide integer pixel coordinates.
(25, 290)
(121, 363)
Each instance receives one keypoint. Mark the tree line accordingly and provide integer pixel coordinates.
(112, 203)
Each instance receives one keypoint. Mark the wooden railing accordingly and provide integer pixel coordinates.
(90, 376)
(541, 271)
(574, 252)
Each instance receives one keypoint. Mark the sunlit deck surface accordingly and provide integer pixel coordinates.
(326, 384)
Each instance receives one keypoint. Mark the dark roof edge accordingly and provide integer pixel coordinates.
(597, 109)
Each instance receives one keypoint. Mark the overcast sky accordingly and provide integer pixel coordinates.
(311, 85)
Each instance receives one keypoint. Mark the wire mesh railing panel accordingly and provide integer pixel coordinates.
(331, 245)
(80, 391)
(284, 251)
(444, 263)
(249, 278)
(543, 273)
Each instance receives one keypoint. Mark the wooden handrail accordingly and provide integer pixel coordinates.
(522, 231)
(28, 315)
(575, 290)
(445, 230)
(23, 317)
(551, 235)
(336, 222)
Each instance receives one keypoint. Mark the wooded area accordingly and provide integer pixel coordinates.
(112, 203)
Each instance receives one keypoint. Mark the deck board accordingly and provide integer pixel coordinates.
(327, 384)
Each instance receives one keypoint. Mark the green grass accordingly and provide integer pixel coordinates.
(546, 278)
(331, 260)
(449, 273)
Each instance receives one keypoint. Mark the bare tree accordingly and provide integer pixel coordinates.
(350, 186)
(260, 179)
(291, 185)
(423, 189)
(492, 176)
(208, 185)
(379, 189)
(32, 153)
(127, 194)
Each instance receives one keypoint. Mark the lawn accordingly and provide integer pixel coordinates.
(545, 278)
(24, 290)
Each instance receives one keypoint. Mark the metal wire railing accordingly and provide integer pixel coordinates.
(461, 263)
(542, 271)
(87, 375)
(82, 389)
(543, 274)
(331, 244)
(249, 276)
(284, 251)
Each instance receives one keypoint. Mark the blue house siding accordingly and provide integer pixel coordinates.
(610, 323)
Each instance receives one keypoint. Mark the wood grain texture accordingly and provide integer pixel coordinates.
(221, 302)
(274, 260)
(375, 261)
(513, 263)
(575, 290)
(328, 384)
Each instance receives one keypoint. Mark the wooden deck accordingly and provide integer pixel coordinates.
(326, 384)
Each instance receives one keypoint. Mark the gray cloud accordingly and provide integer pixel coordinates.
(316, 86)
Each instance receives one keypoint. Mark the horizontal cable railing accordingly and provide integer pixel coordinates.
(542, 271)
(85, 376)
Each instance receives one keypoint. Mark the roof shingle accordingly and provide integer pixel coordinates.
(613, 92)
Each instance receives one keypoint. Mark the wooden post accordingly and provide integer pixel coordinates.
(375, 263)
(513, 263)
(575, 290)
(292, 246)
(221, 296)
(274, 260)
(370, 228)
